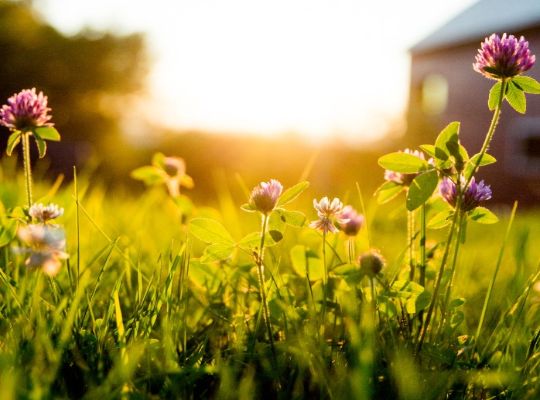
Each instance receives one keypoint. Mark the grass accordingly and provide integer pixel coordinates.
(141, 309)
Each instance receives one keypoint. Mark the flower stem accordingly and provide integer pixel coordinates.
(490, 132)
(325, 280)
(422, 266)
(410, 234)
(450, 285)
(27, 167)
(351, 250)
(262, 288)
(437, 286)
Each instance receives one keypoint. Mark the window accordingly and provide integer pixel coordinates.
(523, 147)
(434, 94)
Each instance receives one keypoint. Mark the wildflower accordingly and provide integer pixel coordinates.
(25, 110)
(43, 213)
(329, 213)
(45, 245)
(474, 194)
(265, 196)
(503, 57)
(174, 169)
(371, 263)
(401, 178)
(354, 221)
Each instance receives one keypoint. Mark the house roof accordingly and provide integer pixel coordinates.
(482, 19)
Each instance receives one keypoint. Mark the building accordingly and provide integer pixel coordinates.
(445, 88)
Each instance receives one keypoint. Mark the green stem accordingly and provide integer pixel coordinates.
(437, 287)
(452, 270)
(490, 132)
(27, 167)
(410, 234)
(422, 266)
(262, 288)
(325, 281)
(351, 250)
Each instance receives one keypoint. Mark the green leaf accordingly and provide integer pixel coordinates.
(41, 145)
(527, 84)
(487, 159)
(205, 275)
(217, 252)
(158, 160)
(252, 241)
(483, 216)
(402, 162)
(292, 193)
(13, 141)
(293, 218)
(421, 189)
(422, 301)
(387, 191)
(47, 133)
(450, 134)
(301, 260)
(441, 219)
(434, 152)
(210, 231)
(409, 292)
(8, 232)
(494, 95)
(248, 207)
(149, 175)
(350, 272)
(184, 204)
(516, 98)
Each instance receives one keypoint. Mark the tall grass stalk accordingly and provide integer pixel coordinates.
(487, 299)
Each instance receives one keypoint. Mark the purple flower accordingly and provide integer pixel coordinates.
(473, 196)
(329, 213)
(264, 197)
(354, 221)
(503, 57)
(25, 110)
(404, 179)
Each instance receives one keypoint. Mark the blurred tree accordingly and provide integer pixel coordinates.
(89, 78)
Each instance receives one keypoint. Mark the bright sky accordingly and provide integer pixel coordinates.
(319, 68)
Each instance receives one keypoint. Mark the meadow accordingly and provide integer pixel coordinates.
(421, 290)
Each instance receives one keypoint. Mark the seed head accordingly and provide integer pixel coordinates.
(43, 213)
(474, 194)
(371, 263)
(503, 57)
(265, 195)
(354, 221)
(25, 110)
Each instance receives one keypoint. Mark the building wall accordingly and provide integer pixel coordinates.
(516, 144)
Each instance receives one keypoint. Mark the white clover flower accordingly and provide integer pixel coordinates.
(44, 213)
(329, 213)
(45, 245)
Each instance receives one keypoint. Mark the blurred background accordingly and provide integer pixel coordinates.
(259, 90)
